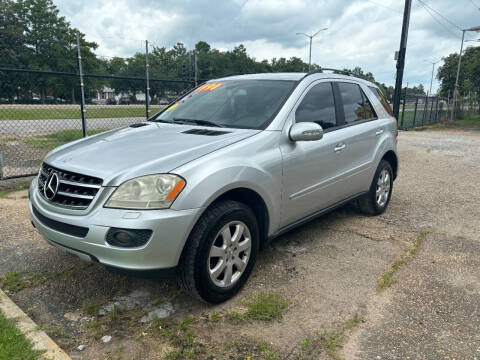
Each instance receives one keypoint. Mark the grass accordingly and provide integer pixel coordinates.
(6, 140)
(180, 337)
(56, 112)
(97, 325)
(387, 279)
(214, 317)
(13, 344)
(462, 123)
(12, 282)
(52, 140)
(330, 341)
(21, 186)
(265, 306)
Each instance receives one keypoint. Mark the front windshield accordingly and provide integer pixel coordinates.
(231, 103)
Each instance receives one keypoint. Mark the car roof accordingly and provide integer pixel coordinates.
(293, 76)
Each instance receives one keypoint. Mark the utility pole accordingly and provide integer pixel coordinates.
(147, 73)
(310, 53)
(82, 92)
(456, 90)
(401, 58)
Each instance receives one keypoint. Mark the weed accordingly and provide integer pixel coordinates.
(387, 280)
(94, 328)
(12, 282)
(235, 315)
(180, 337)
(93, 307)
(330, 341)
(265, 306)
(117, 354)
(215, 317)
(113, 317)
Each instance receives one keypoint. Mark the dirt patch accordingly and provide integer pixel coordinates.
(327, 270)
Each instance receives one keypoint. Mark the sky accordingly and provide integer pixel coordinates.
(360, 32)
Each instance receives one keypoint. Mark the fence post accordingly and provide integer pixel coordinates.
(425, 108)
(82, 93)
(403, 107)
(415, 112)
(436, 110)
(147, 92)
(430, 115)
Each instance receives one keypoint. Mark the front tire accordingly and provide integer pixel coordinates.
(375, 202)
(220, 252)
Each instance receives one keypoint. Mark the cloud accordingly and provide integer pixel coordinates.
(361, 32)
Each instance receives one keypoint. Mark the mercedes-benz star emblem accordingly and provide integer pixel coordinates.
(51, 186)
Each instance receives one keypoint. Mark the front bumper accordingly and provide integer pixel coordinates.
(170, 232)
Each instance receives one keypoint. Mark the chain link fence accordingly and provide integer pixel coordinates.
(418, 111)
(42, 110)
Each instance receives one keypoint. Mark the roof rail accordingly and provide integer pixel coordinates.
(321, 70)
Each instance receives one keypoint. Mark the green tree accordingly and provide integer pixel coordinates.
(469, 79)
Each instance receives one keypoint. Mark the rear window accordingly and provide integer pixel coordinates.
(382, 99)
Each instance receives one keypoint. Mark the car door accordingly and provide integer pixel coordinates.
(312, 170)
(362, 131)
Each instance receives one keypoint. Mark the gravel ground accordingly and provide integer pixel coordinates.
(328, 269)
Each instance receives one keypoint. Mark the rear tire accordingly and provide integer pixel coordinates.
(220, 252)
(375, 202)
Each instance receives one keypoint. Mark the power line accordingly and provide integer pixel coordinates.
(437, 20)
(438, 13)
(384, 6)
(474, 4)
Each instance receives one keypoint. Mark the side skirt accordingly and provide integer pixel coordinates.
(313, 216)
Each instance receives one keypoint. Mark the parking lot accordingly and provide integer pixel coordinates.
(402, 285)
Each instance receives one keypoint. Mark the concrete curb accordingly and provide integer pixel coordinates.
(40, 340)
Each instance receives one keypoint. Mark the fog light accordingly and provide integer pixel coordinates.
(123, 237)
(128, 237)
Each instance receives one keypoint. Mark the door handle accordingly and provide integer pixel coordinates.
(339, 147)
(379, 132)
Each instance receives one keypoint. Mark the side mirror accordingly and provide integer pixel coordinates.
(305, 131)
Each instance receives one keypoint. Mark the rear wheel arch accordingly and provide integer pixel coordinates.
(392, 158)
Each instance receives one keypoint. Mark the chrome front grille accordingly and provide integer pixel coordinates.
(74, 190)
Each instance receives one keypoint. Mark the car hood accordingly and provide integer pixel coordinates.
(119, 155)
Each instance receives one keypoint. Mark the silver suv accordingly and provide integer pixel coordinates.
(201, 186)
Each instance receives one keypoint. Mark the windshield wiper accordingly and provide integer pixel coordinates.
(197, 122)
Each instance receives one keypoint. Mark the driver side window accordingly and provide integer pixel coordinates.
(318, 106)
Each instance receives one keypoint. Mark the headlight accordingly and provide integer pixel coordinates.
(147, 192)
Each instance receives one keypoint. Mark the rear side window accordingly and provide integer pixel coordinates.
(352, 102)
(318, 106)
(382, 99)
